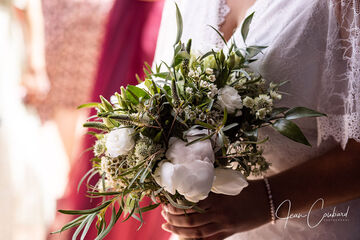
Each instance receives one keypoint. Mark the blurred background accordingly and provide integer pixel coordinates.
(54, 56)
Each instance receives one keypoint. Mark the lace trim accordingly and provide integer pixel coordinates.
(222, 12)
(340, 95)
(340, 127)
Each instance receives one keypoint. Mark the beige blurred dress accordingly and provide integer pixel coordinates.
(32, 161)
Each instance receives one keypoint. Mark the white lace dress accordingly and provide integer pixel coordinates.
(316, 45)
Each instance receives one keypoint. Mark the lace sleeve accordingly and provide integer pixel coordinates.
(340, 83)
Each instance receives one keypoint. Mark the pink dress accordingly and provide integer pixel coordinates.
(73, 30)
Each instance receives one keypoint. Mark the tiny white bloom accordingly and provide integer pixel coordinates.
(204, 84)
(273, 85)
(199, 70)
(229, 98)
(261, 113)
(209, 71)
(248, 102)
(99, 147)
(191, 73)
(275, 95)
(189, 90)
(119, 141)
(211, 78)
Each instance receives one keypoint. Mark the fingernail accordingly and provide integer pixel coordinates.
(163, 213)
(165, 227)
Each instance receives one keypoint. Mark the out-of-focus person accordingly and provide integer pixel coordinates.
(130, 39)
(31, 158)
(73, 34)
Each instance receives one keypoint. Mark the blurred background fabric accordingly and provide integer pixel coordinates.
(130, 39)
(32, 159)
(54, 56)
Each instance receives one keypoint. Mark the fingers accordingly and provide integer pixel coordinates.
(204, 231)
(177, 211)
(218, 236)
(189, 220)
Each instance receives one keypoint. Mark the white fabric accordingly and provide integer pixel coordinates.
(315, 45)
(33, 164)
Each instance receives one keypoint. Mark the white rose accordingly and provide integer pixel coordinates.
(229, 98)
(119, 142)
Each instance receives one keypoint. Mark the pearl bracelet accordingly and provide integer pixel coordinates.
(271, 202)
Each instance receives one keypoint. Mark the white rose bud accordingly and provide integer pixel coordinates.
(119, 142)
(229, 98)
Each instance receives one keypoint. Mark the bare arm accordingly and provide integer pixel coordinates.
(34, 77)
(333, 176)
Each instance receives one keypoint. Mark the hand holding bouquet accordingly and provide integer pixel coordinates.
(182, 133)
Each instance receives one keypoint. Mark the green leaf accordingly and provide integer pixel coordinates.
(88, 105)
(106, 104)
(109, 227)
(252, 51)
(290, 130)
(76, 222)
(147, 208)
(87, 211)
(96, 125)
(134, 94)
(179, 23)
(301, 112)
(221, 36)
(230, 126)
(204, 124)
(84, 177)
(82, 225)
(277, 111)
(200, 139)
(245, 26)
(87, 227)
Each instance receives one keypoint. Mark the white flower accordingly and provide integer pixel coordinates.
(261, 113)
(179, 153)
(275, 95)
(209, 71)
(114, 101)
(99, 147)
(199, 70)
(119, 142)
(211, 78)
(229, 98)
(191, 179)
(248, 102)
(263, 101)
(189, 90)
(228, 181)
(204, 84)
(191, 73)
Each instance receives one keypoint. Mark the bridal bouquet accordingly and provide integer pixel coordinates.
(182, 134)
